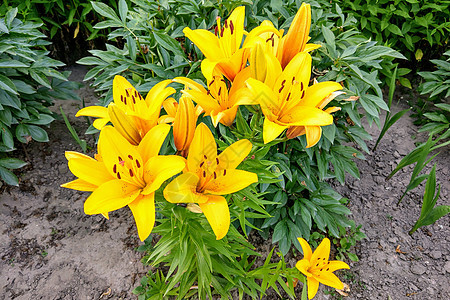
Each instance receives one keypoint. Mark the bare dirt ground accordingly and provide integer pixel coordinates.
(49, 249)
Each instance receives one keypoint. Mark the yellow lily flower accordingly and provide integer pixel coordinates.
(290, 102)
(125, 175)
(284, 47)
(209, 176)
(219, 102)
(131, 114)
(316, 267)
(222, 50)
(313, 133)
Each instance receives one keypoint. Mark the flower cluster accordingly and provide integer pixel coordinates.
(266, 69)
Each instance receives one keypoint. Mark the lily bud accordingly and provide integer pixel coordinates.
(184, 124)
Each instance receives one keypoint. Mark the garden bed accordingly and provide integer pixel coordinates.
(50, 249)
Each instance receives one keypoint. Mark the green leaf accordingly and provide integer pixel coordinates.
(168, 43)
(8, 177)
(11, 63)
(7, 85)
(105, 11)
(12, 163)
(123, 10)
(37, 133)
(394, 29)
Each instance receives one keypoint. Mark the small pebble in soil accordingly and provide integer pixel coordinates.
(447, 267)
(435, 254)
(418, 269)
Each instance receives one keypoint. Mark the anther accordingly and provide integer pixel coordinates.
(216, 30)
(220, 89)
(118, 176)
(204, 173)
(125, 101)
(328, 269)
(135, 93)
(212, 81)
(202, 163)
(204, 155)
(215, 175)
(224, 172)
(134, 100)
(126, 91)
(121, 98)
(130, 157)
(301, 86)
(303, 94)
(226, 24)
(231, 26)
(138, 164)
(293, 80)
(131, 173)
(119, 158)
(287, 99)
(208, 92)
(115, 168)
(217, 160)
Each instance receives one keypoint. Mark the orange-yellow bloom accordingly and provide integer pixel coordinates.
(284, 47)
(209, 176)
(289, 101)
(131, 114)
(219, 102)
(125, 175)
(316, 267)
(313, 133)
(222, 51)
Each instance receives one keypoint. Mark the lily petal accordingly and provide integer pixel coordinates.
(313, 287)
(110, 196)
(271, 130)
(143, 209)
(232, 181)
(307, 252)
(89, 170)
(337, 265)
(93, 111)
(202, 145)
(313, 134)
(152, 141)
(122, 160)
(306, 116)
(183, 190)
(160, 168)
(234, 154)
(265, 96)
(206, 41)
(302, 266)
(316, 93)
(329, 279)
(218, 215)
(322, 251)
(80, 185)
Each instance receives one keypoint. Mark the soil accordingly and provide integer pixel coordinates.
(50, 249)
